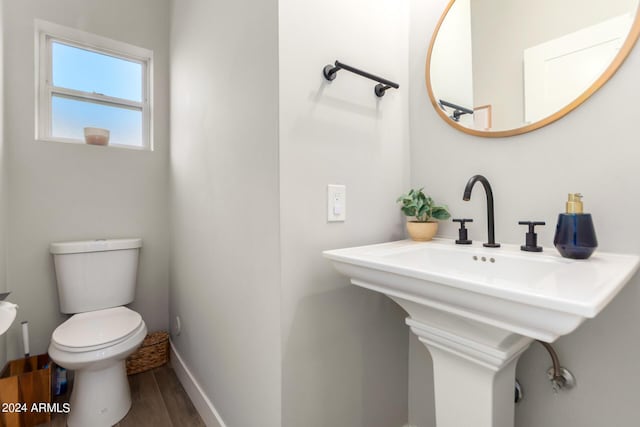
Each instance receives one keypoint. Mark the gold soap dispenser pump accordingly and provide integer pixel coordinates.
(575, 234)
(574, 204)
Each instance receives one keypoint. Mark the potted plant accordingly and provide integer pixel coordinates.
(426, 213)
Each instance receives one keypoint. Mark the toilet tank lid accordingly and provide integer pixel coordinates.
(99, 245)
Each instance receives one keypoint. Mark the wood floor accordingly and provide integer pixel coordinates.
(158, 400)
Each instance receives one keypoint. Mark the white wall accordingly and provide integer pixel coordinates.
(225, 258)
(63, 191)
(344, 349)
(593, 150)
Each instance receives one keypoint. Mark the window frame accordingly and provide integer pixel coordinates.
(46, 33)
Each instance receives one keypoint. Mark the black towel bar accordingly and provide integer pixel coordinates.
(330, 72)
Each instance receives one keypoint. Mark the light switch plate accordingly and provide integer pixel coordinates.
(336, 203)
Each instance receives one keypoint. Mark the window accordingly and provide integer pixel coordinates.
(89, 81)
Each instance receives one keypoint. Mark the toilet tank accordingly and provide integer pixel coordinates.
(95, 274)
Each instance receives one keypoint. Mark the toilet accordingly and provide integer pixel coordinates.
(95, 280)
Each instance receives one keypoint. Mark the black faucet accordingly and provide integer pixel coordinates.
(490, 219)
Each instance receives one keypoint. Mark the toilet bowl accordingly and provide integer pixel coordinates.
(95, 345)
(96, 279)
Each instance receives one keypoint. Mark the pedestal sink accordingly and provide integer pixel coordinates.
(477, 309)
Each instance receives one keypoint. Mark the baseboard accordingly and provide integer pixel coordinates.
(203, 405)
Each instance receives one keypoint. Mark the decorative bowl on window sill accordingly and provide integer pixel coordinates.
(96, 136)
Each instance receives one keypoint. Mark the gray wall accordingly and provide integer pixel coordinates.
(266, 323)
(344, 349)
(593, 150)
(61, 191)
(225, 258)
(3, 184)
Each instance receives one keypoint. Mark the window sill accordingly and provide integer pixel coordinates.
(109, 146)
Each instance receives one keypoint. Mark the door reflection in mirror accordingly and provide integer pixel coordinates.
(520, 65)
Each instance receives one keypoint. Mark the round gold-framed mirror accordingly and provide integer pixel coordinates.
(498, 68)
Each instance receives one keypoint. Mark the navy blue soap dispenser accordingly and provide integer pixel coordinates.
(575, 236)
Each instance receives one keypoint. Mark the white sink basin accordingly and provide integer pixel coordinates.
(477, 309)
(539, 295)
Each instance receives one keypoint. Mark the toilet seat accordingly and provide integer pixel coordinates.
(95, 330)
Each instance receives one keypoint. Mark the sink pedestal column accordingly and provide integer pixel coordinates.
(474, 369)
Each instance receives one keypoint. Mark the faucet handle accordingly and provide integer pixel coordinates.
(462, 232)
(462, 220)
(531, 244)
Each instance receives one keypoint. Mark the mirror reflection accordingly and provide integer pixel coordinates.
(500, 65)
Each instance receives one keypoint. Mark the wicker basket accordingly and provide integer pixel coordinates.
(153, 353)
